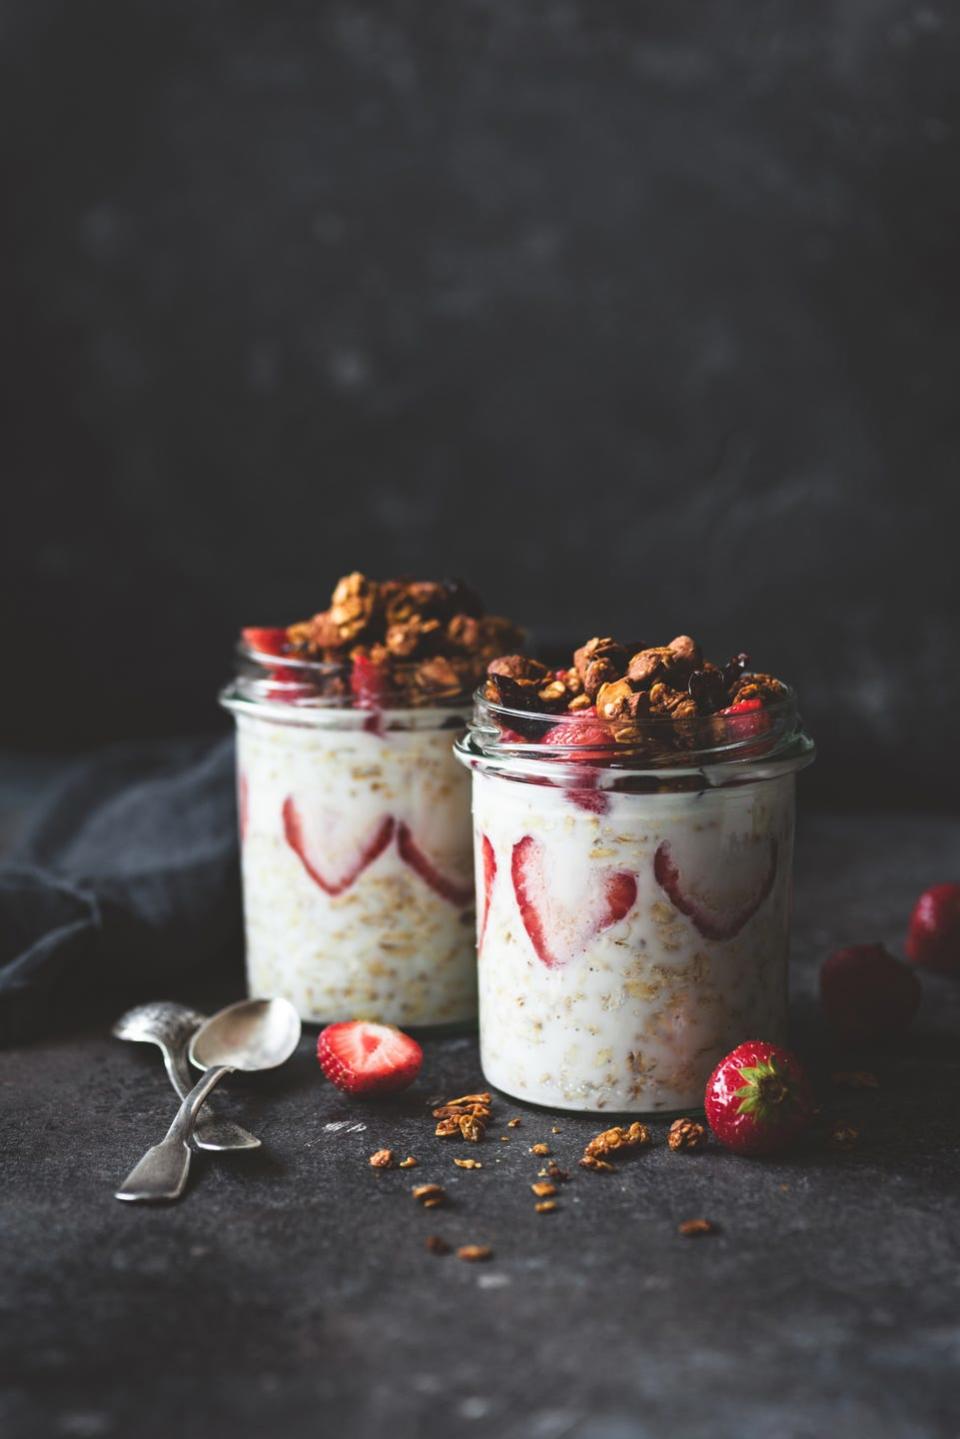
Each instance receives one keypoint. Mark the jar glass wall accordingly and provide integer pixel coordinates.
(633, 903)
(355, 847)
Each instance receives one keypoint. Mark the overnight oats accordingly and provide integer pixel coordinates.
(355, 831)
(633, 835)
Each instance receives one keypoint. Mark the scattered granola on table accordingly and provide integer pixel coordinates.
(599, 1166)
(539, 1149)
(382, 1159)
(468, 1163)
(429, 1195)
(543, 1190)
(408, 1163)
(546, 1206)
(474, 1253)
(610, 1141)
(693, 1228)
(466, 1117)
(686, 1134)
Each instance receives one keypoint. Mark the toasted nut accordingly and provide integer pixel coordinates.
(599, 1166)
(446, 1127)
(546, 1206)
(539, 1149)
(686, 1134)
(429, 1194)
(693, 1228)
(408, 1163)
(474, 1253)
(542, 1190)
(471, 1128)
(382, 1159)
(611, 1140)
(472, 1099)
(468, 1164)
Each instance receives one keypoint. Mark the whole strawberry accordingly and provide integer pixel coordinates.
(867, 995)
(758, 1099)
(934, 935)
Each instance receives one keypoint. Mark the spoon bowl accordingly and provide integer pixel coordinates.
(250, 1035)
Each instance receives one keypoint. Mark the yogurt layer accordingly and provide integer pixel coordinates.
(357, 871)
(623, 953)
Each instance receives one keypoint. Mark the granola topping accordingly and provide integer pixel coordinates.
(414, 641)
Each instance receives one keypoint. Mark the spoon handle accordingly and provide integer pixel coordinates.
(212, 1130)
(162, 1172)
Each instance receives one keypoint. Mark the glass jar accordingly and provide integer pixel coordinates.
(633, 900)
(355, 847)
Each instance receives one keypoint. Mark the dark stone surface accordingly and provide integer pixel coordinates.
(290, 1292)
(642, 316)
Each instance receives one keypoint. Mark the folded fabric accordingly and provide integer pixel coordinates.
(126, 881)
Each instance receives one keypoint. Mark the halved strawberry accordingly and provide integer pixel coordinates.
(265, 641)
(411, 853)
(562, 915)
(304, 841)
(488, 863)
(706, 916)
(364, 1058)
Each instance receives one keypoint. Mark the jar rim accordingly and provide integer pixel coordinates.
(721, 749)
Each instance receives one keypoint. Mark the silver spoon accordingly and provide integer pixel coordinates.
(252, 1035)
(171, 1027)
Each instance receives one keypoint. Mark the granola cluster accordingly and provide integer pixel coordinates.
(465, 1118)
(418, 640)
(624, 685)
(611, 1141)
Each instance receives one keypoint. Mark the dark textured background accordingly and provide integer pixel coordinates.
(642, 316)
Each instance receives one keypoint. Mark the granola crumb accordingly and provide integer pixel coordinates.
(609, 1141)
(504, 1139)
(436, 1245)
(555, 1129)
(474, 1253)
(546, 1206)
(843, 1135)
(468, 1163)
(599, 1166)
(513, 1124)
(429, 1195)
(543, 1190)
(382, 1159)
(408, 1163)
(693, 1228)
(539, 1149)
(553, 1171)
(686, 1134)
(855, 1079)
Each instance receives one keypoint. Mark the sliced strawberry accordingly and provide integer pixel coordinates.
(586, 732)
(305, 846)
(369, 682)
(560, 929)
(411, 853)
(746, 719)
(265, 641)
(488, 862)
(364, 1058)
(712, 922)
